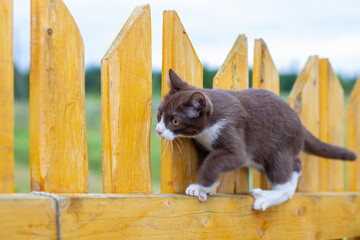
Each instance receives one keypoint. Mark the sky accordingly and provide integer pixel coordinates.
(292, 30)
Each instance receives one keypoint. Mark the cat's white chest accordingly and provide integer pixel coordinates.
(209, 135)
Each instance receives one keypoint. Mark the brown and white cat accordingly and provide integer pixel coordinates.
(232, 129)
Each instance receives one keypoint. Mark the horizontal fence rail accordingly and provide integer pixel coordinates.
(87, 216)
(58, 147)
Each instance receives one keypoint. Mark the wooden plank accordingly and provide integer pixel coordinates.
(353, 137)
(88, 216)
(234, 75)
(6, 98)
(304, 99)
(58, 149)
(127, 107)
(331, 103)
(26, 216)
(179, 160)
(265, 76)
(317, 216)
(324, 121)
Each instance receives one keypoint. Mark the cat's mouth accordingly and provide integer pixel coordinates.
(164, 132)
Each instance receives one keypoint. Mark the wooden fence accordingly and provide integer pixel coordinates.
(58, 157)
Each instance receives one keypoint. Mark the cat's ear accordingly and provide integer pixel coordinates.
(175, 82)
(198, 104)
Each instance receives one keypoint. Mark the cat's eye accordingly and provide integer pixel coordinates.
(160, 114)
(175, 122)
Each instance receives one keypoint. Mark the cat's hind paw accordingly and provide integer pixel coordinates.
(197, 191)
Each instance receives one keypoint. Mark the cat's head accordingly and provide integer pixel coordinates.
(184, 111)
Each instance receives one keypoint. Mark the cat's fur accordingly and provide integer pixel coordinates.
(233, 129)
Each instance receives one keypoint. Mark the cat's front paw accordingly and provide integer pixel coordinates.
(197, 191)
(260, 200)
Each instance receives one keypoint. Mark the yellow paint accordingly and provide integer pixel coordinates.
(58, 149)
(126, 107)
(234, 72)
(86, 216)
(353, 137)
(331, 103)
(26, 216)
(234, 75)
(304, 99)
(265, 76)
(6, 97)
(324, 121)
(179, 159)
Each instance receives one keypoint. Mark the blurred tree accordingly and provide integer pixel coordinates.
(21, 84)
(93, 80)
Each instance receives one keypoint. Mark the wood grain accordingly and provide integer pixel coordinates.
(127, 107)
(304, 99)
(58, 149)
(234, 75)
(353, 137)
(331, 103)
(265, 76)
(101, 216)
(6, 98)
(179, 159)
(305, 216)
(26, 216)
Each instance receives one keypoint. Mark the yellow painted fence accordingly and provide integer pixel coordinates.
(58, 148)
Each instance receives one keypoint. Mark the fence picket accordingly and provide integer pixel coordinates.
(6, 98)
(127, 107)
(353, 137)
(58, 149)
(331, 104)
(265, 76)
(234, 75)
(304, 99)
(179, 161)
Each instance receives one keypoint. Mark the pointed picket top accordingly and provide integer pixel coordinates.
(234, 75)
(234, 72)
(126, 100)
(355, 94)
(179, 161)
(265, 74)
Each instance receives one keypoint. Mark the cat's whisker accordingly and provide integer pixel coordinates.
(166, 146)
(178, 146)
(180, 142)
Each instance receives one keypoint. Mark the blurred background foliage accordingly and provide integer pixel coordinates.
(93, 121)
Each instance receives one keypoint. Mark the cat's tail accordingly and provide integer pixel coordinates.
(315, 146)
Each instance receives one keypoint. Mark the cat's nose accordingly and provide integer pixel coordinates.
(158, 132)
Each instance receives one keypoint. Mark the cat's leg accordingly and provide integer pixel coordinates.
(280, 192)
(218, 161)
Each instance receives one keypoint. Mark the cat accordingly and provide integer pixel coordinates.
(232, 129)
